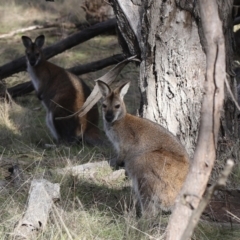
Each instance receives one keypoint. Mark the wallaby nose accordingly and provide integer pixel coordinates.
(109, 117)
(32, 62)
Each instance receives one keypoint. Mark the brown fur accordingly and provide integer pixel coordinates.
(154, 159)
(62, 93)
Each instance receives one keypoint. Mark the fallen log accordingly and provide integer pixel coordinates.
(19, 64)
(80, 170)
(27, 87)
(42, 195)
(89, 169)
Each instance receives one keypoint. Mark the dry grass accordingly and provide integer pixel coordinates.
(91, 207)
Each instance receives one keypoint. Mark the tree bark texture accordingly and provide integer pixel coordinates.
(172, 70)
(167, 36)
(204, 157)
(176, 44)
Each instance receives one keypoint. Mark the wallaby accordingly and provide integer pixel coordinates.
(62, 93)
(154, 159)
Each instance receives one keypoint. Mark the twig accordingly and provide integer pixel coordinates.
(204, 201)
(62, 222)
(231, 94)
(233, 216)
(95, 95)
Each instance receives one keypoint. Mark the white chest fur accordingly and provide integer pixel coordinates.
(33, 76)
(112, 136)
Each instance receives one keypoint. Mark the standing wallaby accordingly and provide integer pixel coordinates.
(154, 159)
(62, 93)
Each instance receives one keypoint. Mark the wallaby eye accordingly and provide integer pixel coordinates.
(37, 54)
(104, 105)
(117, 106)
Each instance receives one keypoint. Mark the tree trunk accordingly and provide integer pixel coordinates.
(170, 39)
(173, 65)
(167, 36)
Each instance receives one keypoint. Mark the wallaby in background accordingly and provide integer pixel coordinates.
(154, 159)
(62, 93)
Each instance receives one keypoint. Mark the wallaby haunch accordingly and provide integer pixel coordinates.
(62, 93)
(154, 159)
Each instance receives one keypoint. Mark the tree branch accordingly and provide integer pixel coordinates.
(236, 2)
(236, 21)
(27, 87)
(205, 200)
(19, 64)
(205, 153)
(97, 65)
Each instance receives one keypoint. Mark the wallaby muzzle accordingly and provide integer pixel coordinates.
(32, 61)
(109, 116)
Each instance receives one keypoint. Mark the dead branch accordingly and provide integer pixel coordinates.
(236, 2)
(56, 212)
(20, 89)
(42, 195)
(89, 169)
(205, 153)
(97, 65)
(236, 21)
(80, 170)
(19, 64)
(221, 182)
(95, 95)
(27, 87)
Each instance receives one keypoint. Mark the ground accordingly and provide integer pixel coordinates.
(95, 205)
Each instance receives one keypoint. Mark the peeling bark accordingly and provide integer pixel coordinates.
(168, 37)
(176, 44)
(172, 68)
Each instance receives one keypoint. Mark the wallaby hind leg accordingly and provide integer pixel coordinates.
(66, 129)
(51, 125)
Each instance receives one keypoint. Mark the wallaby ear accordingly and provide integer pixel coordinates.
(122, 90)
(104, 88)
(27, 42)
(39, 41)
